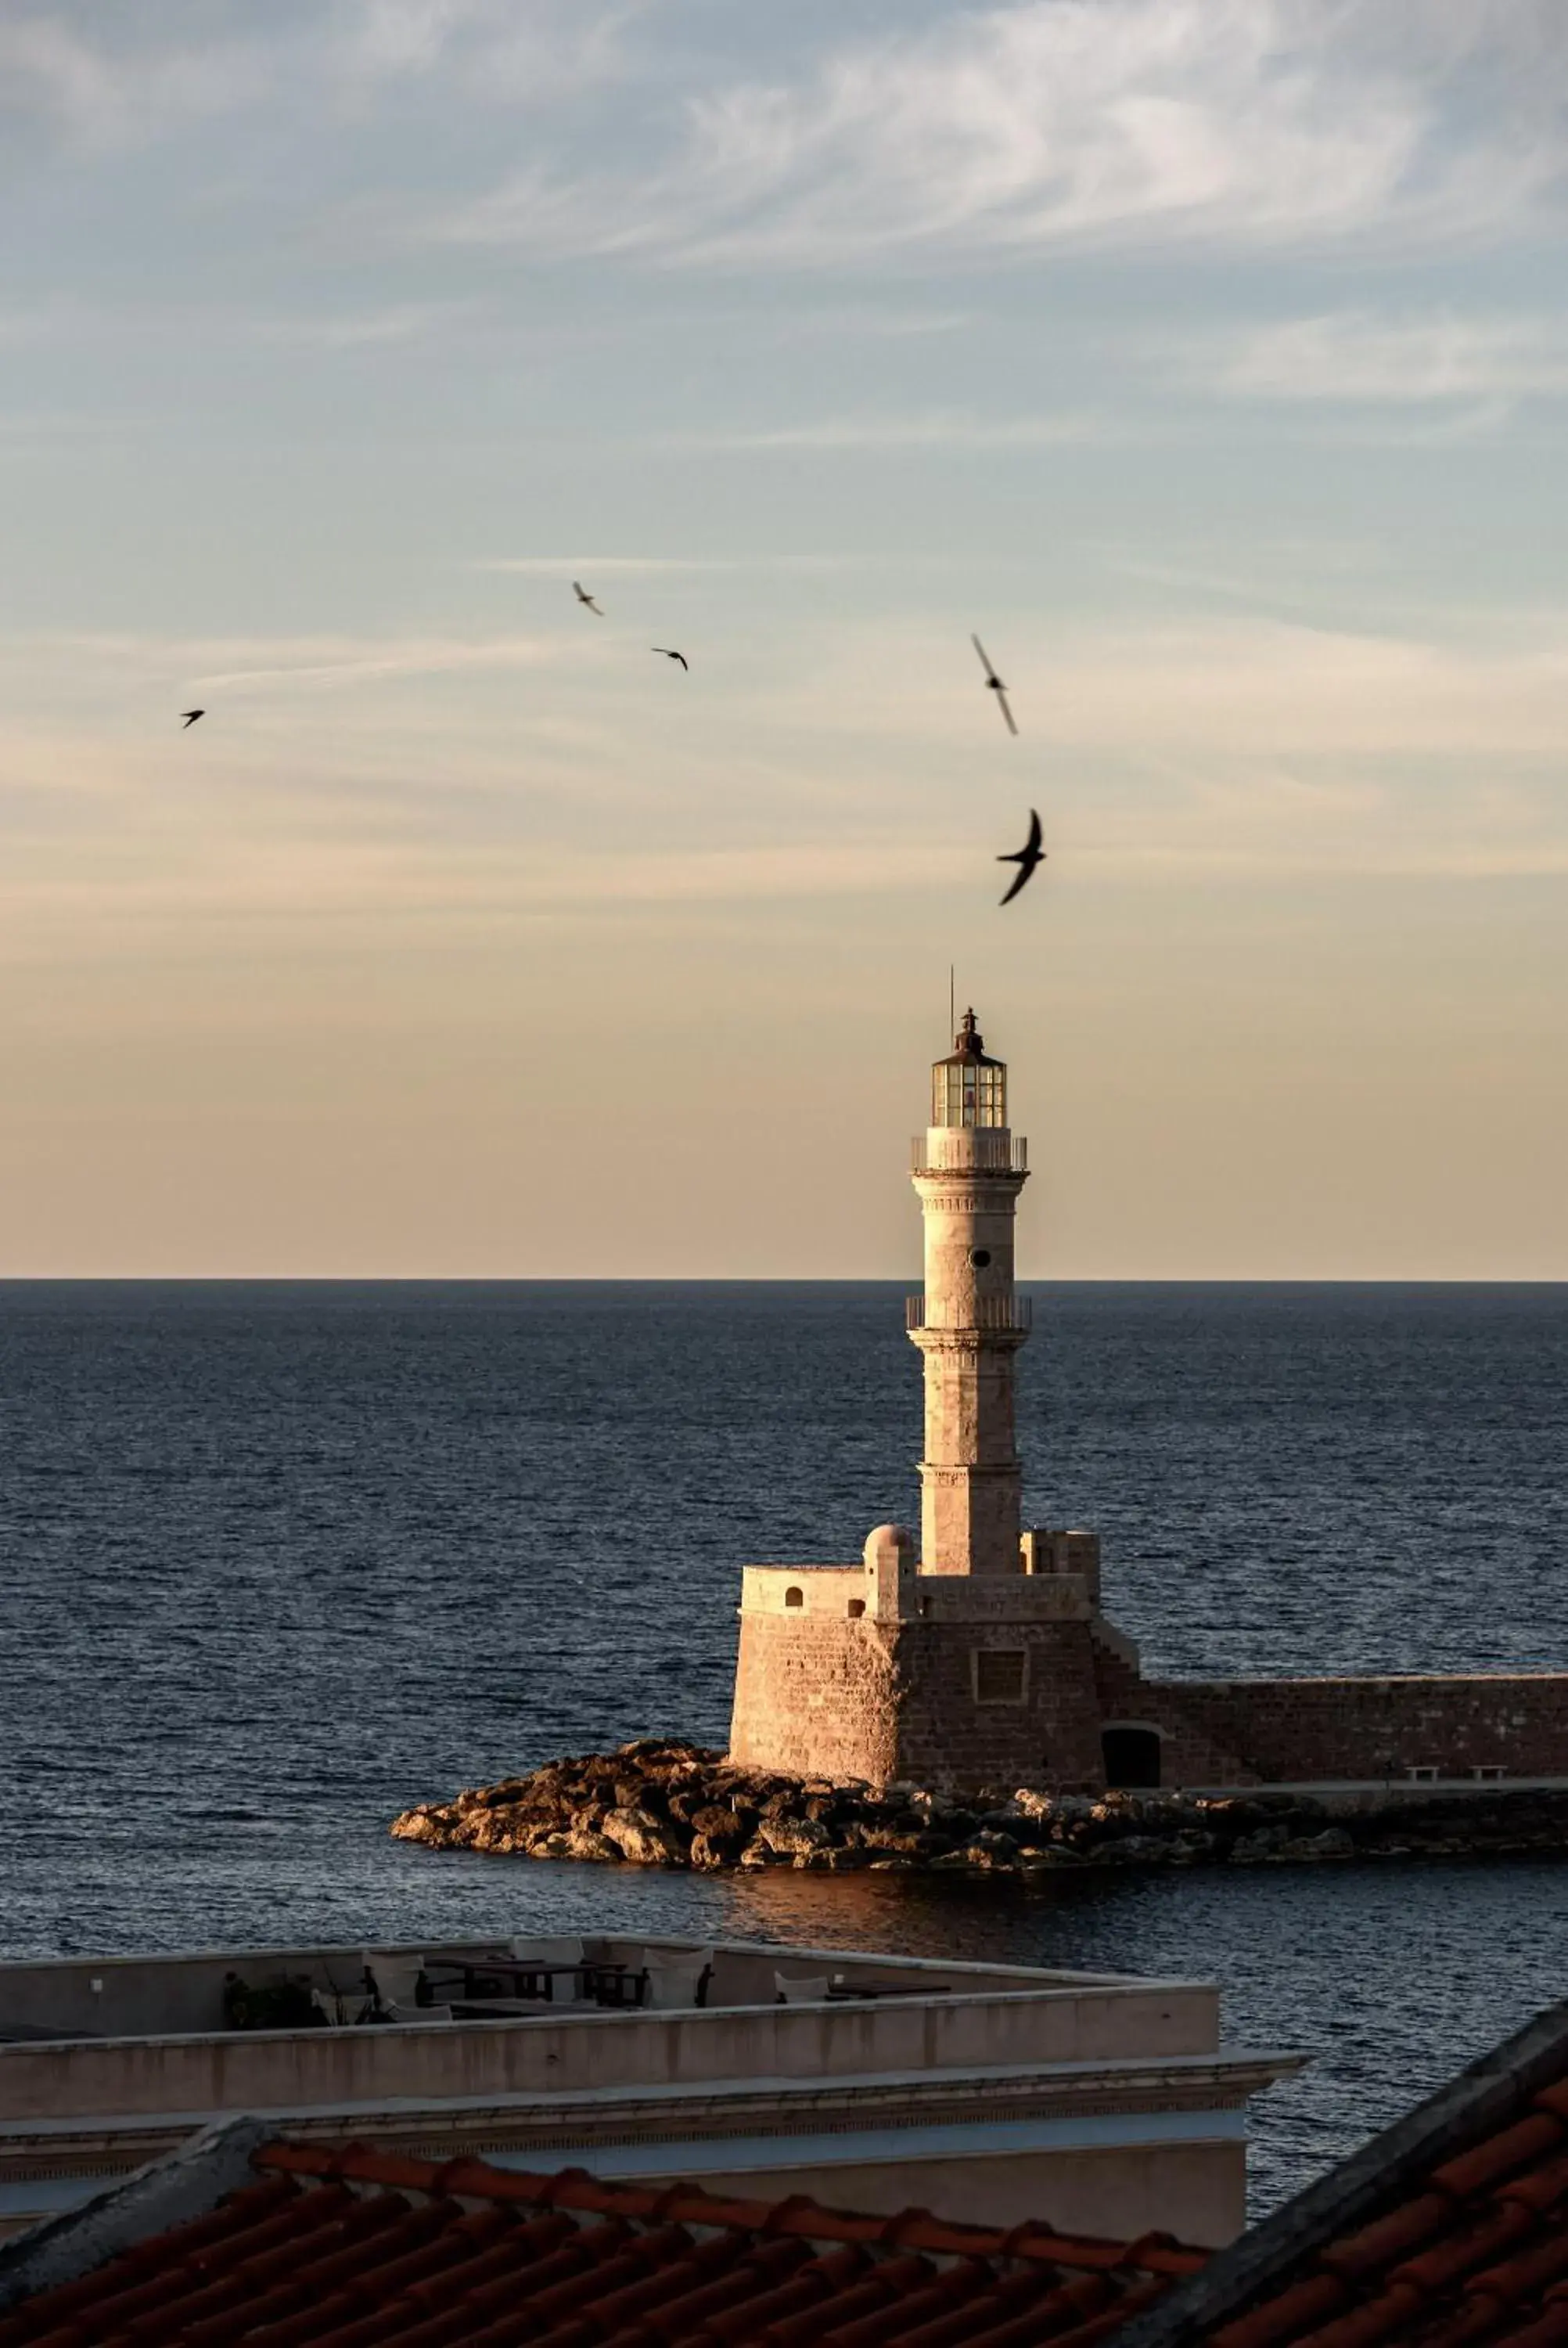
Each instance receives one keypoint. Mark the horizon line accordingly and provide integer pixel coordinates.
(903, 1284)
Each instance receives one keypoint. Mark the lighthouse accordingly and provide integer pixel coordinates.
(970, 1321)
(977, 1654)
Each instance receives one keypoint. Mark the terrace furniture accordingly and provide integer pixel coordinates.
(559, 1974)
(563, 1953)
(287, 2002)
(528, 1984)
(801, 1989)
(397, 1987)
(524, 1981)
(674, 1978)
(618, 1987)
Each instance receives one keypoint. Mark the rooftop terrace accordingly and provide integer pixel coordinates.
(232, 2029)
(893, 2079)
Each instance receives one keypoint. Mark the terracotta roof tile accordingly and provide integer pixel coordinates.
(1496, 2157)
(1398, 2230)
(347, 2247)
(1451, 2233)
(1539, 2187)
(1301, 2309)
(1374, 2320)
(1472, 2239)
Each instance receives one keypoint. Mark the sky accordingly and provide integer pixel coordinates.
(1208, 357)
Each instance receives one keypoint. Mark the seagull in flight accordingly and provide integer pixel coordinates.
(1028, 856)
(669, 655)
(995, 682)
(190, 717)
(581, 592)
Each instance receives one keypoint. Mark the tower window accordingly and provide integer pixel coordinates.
(1000, 1675)
(857, 1608)
(979, 1258)
(794, 1595)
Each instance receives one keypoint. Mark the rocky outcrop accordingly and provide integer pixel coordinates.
(663, 1803)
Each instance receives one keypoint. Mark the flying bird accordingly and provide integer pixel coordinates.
(995, 682)
(669, 655)
(581, 592)
(1030, 855)
(190, 717)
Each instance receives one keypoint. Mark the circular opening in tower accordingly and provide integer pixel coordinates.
(979, 1258)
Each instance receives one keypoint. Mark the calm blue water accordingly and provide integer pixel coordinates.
(278, 1560)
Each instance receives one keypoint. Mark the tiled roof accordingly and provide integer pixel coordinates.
(350, 2248)
(1450, 2230)
(1482, 2254)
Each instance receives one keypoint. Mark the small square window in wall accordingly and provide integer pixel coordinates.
(1000, 1675)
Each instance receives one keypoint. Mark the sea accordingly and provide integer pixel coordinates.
(278, 1560)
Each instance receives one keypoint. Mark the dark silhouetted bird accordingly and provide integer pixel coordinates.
(1028, 859)
(994, 680)
(669, 655)
(190, 716)
(581, 592)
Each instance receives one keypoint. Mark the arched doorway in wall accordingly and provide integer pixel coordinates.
(1132, 1754)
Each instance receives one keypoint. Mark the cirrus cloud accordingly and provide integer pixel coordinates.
(1064, 124)
(1352, 356)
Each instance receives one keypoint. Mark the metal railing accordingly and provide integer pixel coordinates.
(985, 1150)
(981, 1313)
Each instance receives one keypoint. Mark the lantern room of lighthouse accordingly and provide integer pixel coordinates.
(970, 1321)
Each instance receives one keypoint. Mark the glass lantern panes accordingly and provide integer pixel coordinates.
(968, 1089)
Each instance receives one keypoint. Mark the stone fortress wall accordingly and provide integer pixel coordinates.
(880, 1672)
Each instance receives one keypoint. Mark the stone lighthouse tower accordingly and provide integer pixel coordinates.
(971, 1322)
(978, 1655)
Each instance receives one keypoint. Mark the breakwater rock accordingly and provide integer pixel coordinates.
(664, 1803)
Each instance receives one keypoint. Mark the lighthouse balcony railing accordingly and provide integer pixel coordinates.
(983, 1313)
(960, 1149)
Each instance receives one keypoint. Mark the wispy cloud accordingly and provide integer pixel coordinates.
(1225, 746)
(1082, 123)
(517, 52)
(1007, 129)
(106, 77)
(347, 661)
(1356, 357)
(104, 83)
